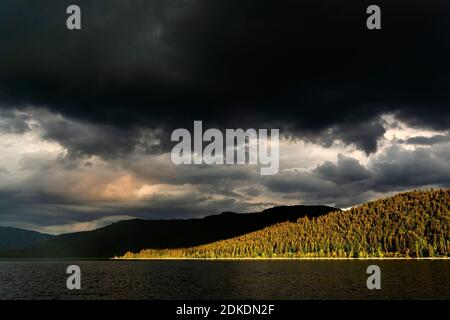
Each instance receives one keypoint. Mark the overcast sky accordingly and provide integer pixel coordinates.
(86, 116)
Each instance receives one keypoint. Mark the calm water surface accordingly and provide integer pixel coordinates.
(324, 279)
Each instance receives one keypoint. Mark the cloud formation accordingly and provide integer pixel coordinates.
(86, 116)
(313, 71)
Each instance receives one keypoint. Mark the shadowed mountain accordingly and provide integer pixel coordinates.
(137, 234)
(13, 238)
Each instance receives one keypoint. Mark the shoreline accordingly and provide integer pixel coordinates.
(282, 259)
(227, 259)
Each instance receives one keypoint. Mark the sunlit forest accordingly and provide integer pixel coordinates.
(411, 224)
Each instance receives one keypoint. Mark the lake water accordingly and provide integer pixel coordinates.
(311, 279)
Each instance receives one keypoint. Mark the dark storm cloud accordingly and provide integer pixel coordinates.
(363, 134)
(419, 140)
(346, 170)
(38, 207)
(398, 169)
(106, 140)
(347, 182)
(140, 68)
(12, 122)
(297, 65)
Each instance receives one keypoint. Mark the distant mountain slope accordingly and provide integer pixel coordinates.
(413, 224)
(11, 238)
(135, 235)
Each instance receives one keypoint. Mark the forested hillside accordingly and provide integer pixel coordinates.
(412, 224)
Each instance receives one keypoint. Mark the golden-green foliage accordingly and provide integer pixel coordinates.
(412, 224)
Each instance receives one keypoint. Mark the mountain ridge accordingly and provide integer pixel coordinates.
(14, 238)
(137, 234)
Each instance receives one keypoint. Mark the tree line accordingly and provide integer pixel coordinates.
(411, 224)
